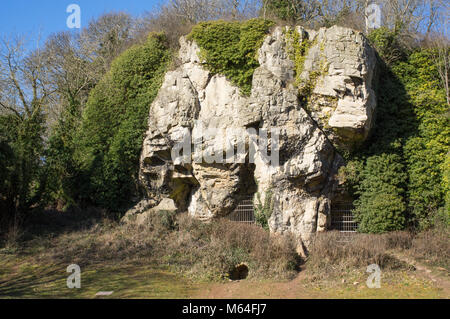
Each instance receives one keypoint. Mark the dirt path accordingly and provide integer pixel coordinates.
(421, 283)
(439, 276)
(293, 289)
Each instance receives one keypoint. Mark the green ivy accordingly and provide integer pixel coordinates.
(230, 48)
(387, 44)
(114, 122)
(399, 176)
(298, 50)
(263, 211)
(426, 150)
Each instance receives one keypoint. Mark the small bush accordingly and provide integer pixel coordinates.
(263, 211)
(381, 207)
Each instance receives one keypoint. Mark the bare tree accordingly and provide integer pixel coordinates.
(68, 64)
(106, 37)
(239, 9)
(25, 87)
(24, 96)
(440, 42)
(196, 10)
(442, 61)
(343, 12)
(292, 11)
(177, 17)
(75, 62)
(412, 20)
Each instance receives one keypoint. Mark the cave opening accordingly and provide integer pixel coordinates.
(245, 209)
(239, 272)
(342, 218)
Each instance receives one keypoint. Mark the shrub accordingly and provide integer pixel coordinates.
(387, 44)
(229, 48)
(21, 148)
(263, 211)
(380, 206)
(114, 122)
(60, 165)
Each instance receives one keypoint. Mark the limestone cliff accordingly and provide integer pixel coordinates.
(338, 68)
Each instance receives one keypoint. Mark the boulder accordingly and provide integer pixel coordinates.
(144, 209)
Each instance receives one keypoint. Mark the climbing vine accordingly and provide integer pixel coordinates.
(230, 48)
(263, 211)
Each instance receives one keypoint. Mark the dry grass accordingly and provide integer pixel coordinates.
(433, 247)
(201, 251)
(220, 246)
(211, 251)
(331, 257)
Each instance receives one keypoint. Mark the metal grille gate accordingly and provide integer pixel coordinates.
(341, 215)
(342, 218)
(244, 213)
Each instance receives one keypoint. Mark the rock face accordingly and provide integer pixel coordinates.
(341, 64)
(145, 208)
(196, 106)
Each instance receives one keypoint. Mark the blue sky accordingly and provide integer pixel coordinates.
(48, 16)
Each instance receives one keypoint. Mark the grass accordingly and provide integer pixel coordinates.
(178, 257)
(339, 268)
(399, 285)
(22, 279)
(203, 252)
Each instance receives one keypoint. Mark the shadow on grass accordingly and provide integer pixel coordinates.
(127, 281)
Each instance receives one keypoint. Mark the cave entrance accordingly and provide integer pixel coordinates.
(244, 212)
(239, 272)
(342, 218)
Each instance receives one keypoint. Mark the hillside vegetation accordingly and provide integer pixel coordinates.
(74, 113)
(398, 176)
(104, 149)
